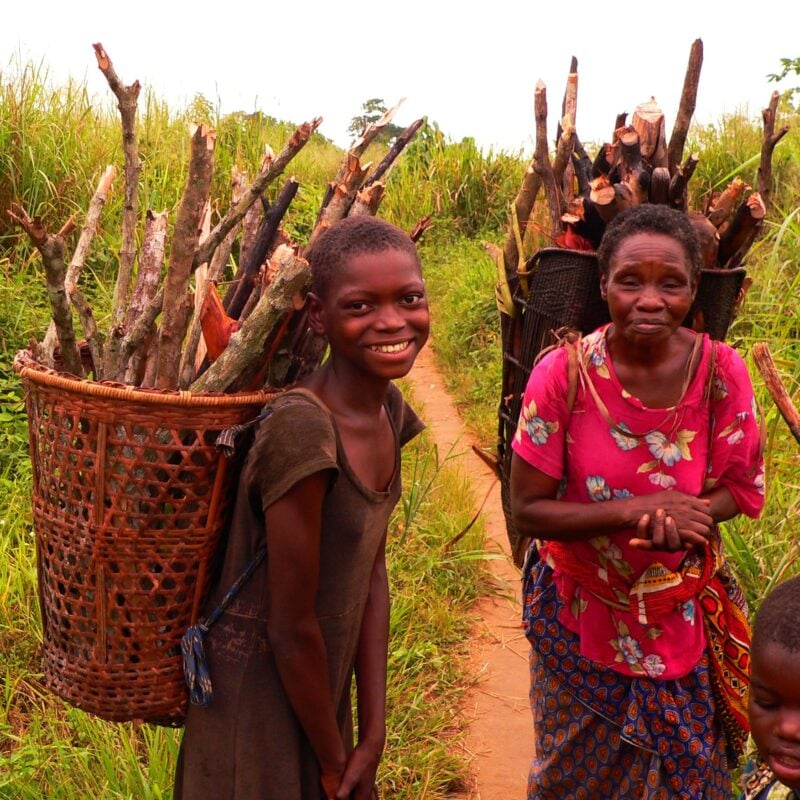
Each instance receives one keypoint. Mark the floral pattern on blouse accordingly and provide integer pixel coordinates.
(690, 448)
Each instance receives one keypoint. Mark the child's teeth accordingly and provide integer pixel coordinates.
(391, 348)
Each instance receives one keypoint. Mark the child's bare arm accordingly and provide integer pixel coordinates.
(293, 543)
(359, 777)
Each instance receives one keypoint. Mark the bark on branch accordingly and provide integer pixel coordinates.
(276, 166)
(771, 138)
(683, 118)
(394, 151)
(344, 194)
(185, 236)
(247, 344)
(127, 99)
(52, 249)
(74, 269)
(769, 372)
(541, 160)
(368, 136)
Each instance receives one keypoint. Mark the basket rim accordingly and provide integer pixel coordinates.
(28, 368)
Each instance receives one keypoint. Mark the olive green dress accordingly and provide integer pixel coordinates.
(248, 744)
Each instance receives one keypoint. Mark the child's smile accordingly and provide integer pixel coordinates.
(375, 314)
(775, 710)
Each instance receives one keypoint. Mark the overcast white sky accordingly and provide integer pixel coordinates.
(471, 67)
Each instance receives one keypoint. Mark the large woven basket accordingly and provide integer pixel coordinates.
(564, 292)
(130, 499)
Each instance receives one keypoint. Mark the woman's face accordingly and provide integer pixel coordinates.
(649, 288)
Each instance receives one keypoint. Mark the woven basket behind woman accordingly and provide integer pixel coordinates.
(130, 499)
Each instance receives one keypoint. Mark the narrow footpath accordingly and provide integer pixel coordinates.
(499, 741)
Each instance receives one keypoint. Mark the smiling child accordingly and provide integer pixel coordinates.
(774, 707)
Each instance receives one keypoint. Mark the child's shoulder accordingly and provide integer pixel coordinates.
(405, 419)
(760, 784)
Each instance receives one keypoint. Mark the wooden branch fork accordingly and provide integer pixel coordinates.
(160, 317)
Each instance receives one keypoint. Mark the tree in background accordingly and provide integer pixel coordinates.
(788, 66)
(371, 111)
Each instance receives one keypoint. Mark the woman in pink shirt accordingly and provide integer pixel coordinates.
(639, 639)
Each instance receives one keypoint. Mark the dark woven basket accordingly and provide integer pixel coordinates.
(716, 301)
(564, 291)
(130, 499)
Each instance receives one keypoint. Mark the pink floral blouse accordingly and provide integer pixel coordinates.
(686, 448)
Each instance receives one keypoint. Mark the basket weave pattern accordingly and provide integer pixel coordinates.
(129, 501)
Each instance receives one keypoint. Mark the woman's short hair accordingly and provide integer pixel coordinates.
(353, 236)
(777, 619)
(650, 218)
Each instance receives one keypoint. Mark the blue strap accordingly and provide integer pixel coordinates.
(195, 666)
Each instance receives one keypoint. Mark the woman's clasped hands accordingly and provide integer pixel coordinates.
(673, 521)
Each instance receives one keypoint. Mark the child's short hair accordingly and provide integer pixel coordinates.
(777, 619)
(353, 236)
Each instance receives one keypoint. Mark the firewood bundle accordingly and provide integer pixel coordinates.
(639, 165)
(170, 328)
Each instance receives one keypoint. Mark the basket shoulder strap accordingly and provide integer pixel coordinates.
(236, 587)
(572, 373)
(225, 442)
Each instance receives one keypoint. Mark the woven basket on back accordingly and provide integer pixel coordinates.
(129, 501)
(564, 292)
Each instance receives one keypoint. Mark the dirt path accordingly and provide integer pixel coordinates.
(499, 741)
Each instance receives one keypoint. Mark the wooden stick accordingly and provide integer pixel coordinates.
(223, 253)
(141, 328)
(770, 139)
(769, 372)
(679, 183)
(52, 249)
(343, 196)
(193, 338)
(541, 160)
(742, 232)
(240, 290)
(728, 199)
(127, 99)
(680, 130)
(151, 261)
(393, 153)
(82, 248)
(602, 198)
(709, 238)
(583, 167)
(648, 122)
(182, 258)
(522, 209)
(219, 261)
(659, 186)
(295, 144)
(420, 226)
(367, 201)
(566, 141)
(632, 171)
(246, 345)
(565, 101)
(367, 137)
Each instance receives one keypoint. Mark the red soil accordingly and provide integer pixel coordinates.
(499, 741)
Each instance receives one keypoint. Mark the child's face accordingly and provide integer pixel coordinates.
(774, 710)
(375, 313)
